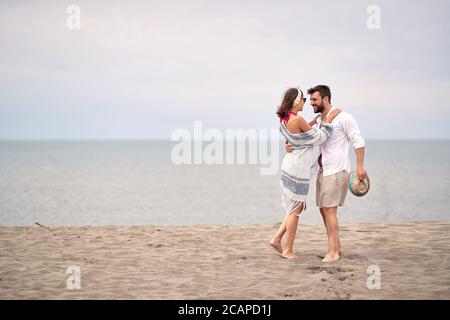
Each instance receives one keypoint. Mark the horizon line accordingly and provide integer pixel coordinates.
(169, 140)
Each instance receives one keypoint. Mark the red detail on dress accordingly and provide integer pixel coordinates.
(285, 119)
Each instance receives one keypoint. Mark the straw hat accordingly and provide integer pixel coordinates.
(358, 187)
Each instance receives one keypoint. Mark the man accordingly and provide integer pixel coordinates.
(334, 165)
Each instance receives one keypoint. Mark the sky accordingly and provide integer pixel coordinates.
(143, 69)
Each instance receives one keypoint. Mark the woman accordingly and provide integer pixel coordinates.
(296, 165)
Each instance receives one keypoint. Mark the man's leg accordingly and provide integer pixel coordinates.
(324, 218)
(324, 188)
(341, 252)
(325, 223)
(332, 226)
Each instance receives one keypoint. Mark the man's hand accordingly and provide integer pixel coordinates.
(288, 146)
(361, 172)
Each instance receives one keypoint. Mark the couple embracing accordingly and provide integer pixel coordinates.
(332, 131)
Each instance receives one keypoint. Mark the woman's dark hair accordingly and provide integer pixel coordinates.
(288, 100)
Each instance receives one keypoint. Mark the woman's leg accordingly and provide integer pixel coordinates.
(291, 230)
(276, 240)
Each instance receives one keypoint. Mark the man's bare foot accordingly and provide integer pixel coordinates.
(288, 256)
(276, 245)
(330, 258)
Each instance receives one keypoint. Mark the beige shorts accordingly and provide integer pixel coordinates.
(331, 190)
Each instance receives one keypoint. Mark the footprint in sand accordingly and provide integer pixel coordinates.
(158, 245)
(329, 270)
(358, 257)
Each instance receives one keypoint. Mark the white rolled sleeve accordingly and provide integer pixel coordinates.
(353, 133)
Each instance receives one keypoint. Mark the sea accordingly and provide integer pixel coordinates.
(74, 183)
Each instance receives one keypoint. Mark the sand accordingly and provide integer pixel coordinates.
(223, 262)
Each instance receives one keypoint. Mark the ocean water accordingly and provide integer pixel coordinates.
(135, 182)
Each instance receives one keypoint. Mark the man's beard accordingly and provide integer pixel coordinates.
(320, 108)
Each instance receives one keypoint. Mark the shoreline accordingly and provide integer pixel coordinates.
(205, 261)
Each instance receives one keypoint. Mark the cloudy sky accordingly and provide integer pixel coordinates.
(141, 69)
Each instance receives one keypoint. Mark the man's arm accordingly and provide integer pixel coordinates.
(352, 130)
(360, 170)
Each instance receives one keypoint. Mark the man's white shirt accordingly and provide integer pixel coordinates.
(335, 157)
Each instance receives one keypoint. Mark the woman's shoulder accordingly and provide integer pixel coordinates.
(297, 119)
(300, 123)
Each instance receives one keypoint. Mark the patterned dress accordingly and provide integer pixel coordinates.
(296, 166)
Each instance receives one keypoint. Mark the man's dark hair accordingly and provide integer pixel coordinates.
(324, 91)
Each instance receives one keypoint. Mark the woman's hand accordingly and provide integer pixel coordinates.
(314, 121)
(333, 114)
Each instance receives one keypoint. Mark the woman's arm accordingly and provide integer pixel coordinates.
(302, 124)
(313, 121)
(318, 135)
(333, 114)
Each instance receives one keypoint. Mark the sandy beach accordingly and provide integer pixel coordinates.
(223, 262)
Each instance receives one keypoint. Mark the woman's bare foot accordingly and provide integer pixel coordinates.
(287, 255)
(330, 258)
(276, 245)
